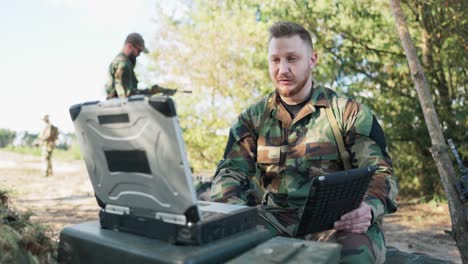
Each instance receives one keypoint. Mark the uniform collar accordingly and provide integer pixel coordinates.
(127, 58)
(278, 111)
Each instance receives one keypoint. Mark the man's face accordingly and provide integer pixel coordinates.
(135, 51)
(290, 62)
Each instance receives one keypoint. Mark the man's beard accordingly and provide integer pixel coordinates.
(132, 59)
(290, 93)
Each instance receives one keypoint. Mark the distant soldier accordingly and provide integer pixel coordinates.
(122, 81)
(47, 139)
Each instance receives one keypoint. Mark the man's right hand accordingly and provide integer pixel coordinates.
(356, 221)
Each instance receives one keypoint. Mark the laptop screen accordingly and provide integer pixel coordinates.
(127, 161)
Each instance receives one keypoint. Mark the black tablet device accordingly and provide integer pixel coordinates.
(331, 196)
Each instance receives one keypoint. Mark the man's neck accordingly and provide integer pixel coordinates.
(293, 110)
(127, 52)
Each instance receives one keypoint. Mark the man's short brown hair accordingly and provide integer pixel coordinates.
(288, 29)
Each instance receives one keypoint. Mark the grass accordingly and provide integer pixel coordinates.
(72, 153)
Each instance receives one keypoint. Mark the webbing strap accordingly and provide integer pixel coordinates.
(344, 154)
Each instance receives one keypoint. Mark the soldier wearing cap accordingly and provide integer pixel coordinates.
(122, 81)
(47, 140)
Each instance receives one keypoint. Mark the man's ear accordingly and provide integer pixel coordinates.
(313, 60)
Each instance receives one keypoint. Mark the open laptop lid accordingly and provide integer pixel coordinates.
(135, 156)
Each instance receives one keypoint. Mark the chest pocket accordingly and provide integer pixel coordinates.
(270, 160)
(270, 154)
(321, 151)
(322, 158)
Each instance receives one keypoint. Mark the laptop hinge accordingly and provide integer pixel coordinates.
(171, 218)
(115, 209)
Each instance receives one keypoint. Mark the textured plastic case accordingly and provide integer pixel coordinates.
(139, 149)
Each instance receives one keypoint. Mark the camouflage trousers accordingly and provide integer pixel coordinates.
(356, 248)
(47, 161)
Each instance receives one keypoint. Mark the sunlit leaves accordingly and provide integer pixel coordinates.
(218, 50)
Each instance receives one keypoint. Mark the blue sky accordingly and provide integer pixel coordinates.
(57, 53)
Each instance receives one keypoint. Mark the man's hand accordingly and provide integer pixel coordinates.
(356, 221)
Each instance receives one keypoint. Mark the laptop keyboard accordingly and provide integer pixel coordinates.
(208, 214)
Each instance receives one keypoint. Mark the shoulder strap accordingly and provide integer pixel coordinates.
(344, 154)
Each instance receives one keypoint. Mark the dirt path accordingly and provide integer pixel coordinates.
(67, 198)
(58, 201)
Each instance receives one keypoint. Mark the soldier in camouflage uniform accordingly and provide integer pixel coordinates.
(283, 141)
(122, 81)
(47, 139)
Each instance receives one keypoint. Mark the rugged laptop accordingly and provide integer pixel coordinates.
(331, 196)
(136, 159)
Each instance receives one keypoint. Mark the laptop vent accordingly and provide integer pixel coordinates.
(127, 161)
(111, 119)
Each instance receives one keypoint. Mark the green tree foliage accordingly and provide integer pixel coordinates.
(219, 51)
(360, 55)
(26, 139)
(6, 137)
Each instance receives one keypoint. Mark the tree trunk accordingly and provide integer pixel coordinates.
(439, 148)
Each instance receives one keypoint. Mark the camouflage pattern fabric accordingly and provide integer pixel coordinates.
(48, 146)
(270, 159)
(361, 248)
(47, 161)
(121, 77)
(11, 248)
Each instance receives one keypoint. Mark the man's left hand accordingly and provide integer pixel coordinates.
(356, 221)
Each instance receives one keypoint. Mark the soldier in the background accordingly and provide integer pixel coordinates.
(47, 139)
(122, 81)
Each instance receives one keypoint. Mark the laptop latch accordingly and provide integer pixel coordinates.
(171, 218)
(115, 209)
(192, 214)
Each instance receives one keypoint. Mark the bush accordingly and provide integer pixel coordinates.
(6, 137)
(22, 241)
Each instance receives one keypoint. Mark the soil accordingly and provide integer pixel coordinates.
(67, 198)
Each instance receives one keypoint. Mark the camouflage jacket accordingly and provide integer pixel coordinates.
(121, 79)
(45, 137)
(270, 158)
